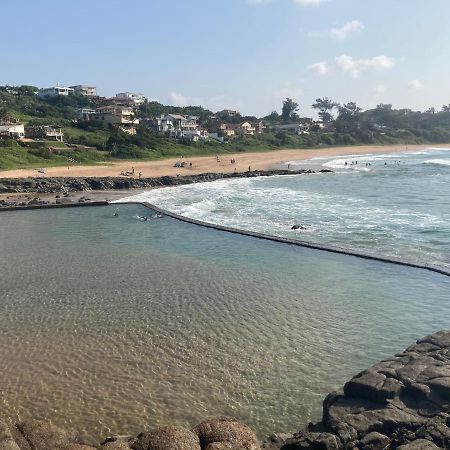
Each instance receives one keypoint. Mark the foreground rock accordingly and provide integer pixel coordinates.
(67, 184)
(402, 403)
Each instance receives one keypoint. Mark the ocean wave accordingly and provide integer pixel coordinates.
(440, 162)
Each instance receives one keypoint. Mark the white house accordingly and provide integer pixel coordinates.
(246, 128)
(55, 91)
(135, 99)
(175, 123)
(85, 91)
(12, 130)
(46, 132)
(85, 113)
(298, 128)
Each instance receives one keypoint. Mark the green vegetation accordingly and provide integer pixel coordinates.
(92, 142)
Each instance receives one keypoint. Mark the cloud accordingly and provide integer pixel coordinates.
(340, 34)
(415, 84)
(355, 67)
(380, 89)
(320, 68)
(178, 99)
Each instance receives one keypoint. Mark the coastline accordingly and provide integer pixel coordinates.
(210, 164)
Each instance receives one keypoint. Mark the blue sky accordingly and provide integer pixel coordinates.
(240, 54)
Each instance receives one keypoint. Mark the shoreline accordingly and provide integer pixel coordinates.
(262, 160)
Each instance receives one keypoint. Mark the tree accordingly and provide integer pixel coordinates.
(446, 108)
(349, 115)
(289, 110)
(325, 106)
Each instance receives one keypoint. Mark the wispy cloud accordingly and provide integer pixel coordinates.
(355, 67)
(415, 84)
(380, 89)
(178, 99)
(340, 33)
(320, 68)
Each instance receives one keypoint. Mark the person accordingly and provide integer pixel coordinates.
(132, 170)
(289, 166)
(140, 174)
(249, 169)
(190, 164)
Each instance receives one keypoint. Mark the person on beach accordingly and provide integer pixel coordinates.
(249, 169)
(132, 170)
(140, 175)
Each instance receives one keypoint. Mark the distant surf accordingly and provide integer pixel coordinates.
(391, 205)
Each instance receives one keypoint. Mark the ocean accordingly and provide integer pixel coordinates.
(114, 325)
(388, 205)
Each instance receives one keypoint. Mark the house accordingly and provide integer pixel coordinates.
(228, 112)
(47, 132)
(245, 129)
(298, 128)
(12, 131)
(55, 92)
(227, 129)
(120, 116)
(131, 98)
(85, 113)
(174, 123)
(85, 91)
(114, 115)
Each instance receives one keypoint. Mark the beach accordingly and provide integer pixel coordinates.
(207, 164)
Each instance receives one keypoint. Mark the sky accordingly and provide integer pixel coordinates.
(238, 54)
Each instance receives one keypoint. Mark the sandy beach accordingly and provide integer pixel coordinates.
(204, 164)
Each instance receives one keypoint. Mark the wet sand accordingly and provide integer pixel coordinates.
(204, 164)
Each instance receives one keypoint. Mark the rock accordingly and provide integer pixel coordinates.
(167, 438)
(116, 445)
(374, 441)
(419, 444)
(43, 435)
(275, 441)
(313, 441)
(7, 441)
(226, 430)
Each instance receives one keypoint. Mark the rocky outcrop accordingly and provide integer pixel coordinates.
(402, 403)
(220, 433)
(67, 184)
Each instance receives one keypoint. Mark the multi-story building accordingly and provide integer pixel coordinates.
(12, 130)
(85, 113)
(174, 123)
(85, 91)
(227, 129)
(119, 116)
(245, 128)
(47, 132)
(132, 98)
(55, 91)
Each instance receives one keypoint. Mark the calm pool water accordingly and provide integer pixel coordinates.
(115, 325)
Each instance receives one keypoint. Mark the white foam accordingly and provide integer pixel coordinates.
(441, 162)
